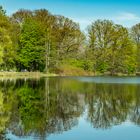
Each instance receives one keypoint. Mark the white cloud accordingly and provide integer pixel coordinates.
(126, 19)
(125, 16)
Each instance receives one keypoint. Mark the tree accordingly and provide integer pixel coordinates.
(69, 38)
(21, 15)
(100, 34)
(135, 33)
(6, 44)
(121, 52)
(110, 45)
(48, 24)
(2, 11)
(31, 46)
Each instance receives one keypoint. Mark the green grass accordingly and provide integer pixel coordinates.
(25, 74)
(68, 70)
(63, 71)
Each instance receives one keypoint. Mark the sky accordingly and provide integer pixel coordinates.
(124, 12)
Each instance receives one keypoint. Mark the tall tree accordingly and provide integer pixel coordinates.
(135, 33)
(21, 15)
(48, 23)
(6, 44)
(110, 45)
(99, 42)
(69, 38)
(121, 52)
(31, 43)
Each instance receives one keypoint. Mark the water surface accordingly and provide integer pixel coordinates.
(70, 108)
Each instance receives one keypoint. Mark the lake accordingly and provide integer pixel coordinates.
(70, 108)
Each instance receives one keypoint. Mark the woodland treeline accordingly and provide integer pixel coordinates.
(40, 41)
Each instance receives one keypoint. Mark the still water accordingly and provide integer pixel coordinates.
(70, 108)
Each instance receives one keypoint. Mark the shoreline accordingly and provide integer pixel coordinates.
(25, 75)
(41, 75)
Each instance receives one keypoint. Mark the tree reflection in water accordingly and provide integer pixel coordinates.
(53, 105)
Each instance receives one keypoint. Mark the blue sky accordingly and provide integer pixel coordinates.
(125, 12)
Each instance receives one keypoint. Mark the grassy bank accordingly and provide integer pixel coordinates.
(24, 74)
(41, 74)
(73, 72)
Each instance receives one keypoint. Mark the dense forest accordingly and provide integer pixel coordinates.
(40, 41)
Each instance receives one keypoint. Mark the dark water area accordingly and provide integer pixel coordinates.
(70, 108)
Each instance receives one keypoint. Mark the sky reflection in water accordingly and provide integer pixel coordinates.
(70, 108)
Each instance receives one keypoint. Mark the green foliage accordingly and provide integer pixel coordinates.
(135, 34)
(2, 11)
(7, 52)
(112, 47)
(39, 41)
(31, 46)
